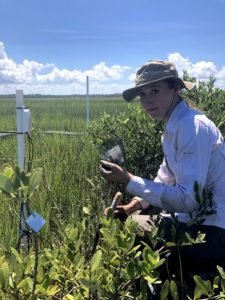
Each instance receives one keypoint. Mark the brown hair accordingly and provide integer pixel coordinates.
(172, 84)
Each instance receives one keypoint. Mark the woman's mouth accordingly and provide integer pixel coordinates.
(152, 109)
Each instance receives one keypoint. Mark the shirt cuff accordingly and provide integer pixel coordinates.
(144, 204)
(150, 191)
(133, 187)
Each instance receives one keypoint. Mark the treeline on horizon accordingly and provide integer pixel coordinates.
(33, 96)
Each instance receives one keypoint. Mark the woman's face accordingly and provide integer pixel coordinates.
(158, 99)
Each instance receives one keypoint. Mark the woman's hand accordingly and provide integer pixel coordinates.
(114, 173)
(126, 209)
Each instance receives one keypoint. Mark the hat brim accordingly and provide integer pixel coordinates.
(132, 93)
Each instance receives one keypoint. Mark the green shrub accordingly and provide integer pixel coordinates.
(210, 100)
(139, 135)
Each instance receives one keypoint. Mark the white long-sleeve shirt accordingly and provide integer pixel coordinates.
(194, 150)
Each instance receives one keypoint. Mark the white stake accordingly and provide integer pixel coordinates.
(87, 101)
(21, 164)
(20, 135)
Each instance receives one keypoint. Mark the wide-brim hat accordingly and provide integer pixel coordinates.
(152, 71)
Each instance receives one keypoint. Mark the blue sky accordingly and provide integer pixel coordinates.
(51, 46)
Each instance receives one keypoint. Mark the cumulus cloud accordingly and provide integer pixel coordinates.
(100, 72)
(35, 77)
(11, 72)
(201, 70)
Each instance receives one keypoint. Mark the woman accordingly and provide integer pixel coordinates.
(194, 152)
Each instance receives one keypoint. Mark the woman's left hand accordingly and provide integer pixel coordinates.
(126, 209)
(114, 173)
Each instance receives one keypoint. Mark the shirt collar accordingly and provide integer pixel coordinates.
(175, 116)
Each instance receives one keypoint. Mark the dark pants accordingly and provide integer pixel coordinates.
(202, 257)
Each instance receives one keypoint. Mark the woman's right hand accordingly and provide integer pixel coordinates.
(114, 173)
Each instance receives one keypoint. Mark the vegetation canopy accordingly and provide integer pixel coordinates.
(79, 253)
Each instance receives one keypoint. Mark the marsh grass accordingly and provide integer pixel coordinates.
(70, 165)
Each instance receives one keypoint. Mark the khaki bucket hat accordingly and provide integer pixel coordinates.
(152, 71)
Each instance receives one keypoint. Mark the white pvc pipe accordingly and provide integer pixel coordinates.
(87, 102)
(20, 135)
(23, 207)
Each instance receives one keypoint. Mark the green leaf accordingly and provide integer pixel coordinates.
(30, 264)
(17, 255)
(159, 263)
(40, 289)
(95, 261)
(197, 293)
(48, 253)
(221, 271)
(170, 244)
(134, 249)
(222, 284)
(152, 280)
(6, 184)
(4, 274)
(203, 286)
(8, 171)
(35, 179)
(52, 290)
(86, 211)
(216, 282)
(174, 290)
(131, 270)
(30, 282)
(23, 284)
(70, 297)
(73, 234)
(209, 287)
(165, 290)
(26, 285)
(45, 282)
(53, 275)
(85, 283)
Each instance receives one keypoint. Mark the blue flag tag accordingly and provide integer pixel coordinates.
(35, 221)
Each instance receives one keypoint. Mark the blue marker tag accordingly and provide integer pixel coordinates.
(35, 221)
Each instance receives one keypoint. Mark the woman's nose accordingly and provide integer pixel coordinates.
(147, 99)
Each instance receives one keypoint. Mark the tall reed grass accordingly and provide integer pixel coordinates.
(70, 165)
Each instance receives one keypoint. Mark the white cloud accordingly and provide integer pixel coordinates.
(180, 62)
(132, 76)
(35, 77)
(201, 70)
(100, 72)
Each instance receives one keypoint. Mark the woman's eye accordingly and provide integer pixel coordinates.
(155, 91)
